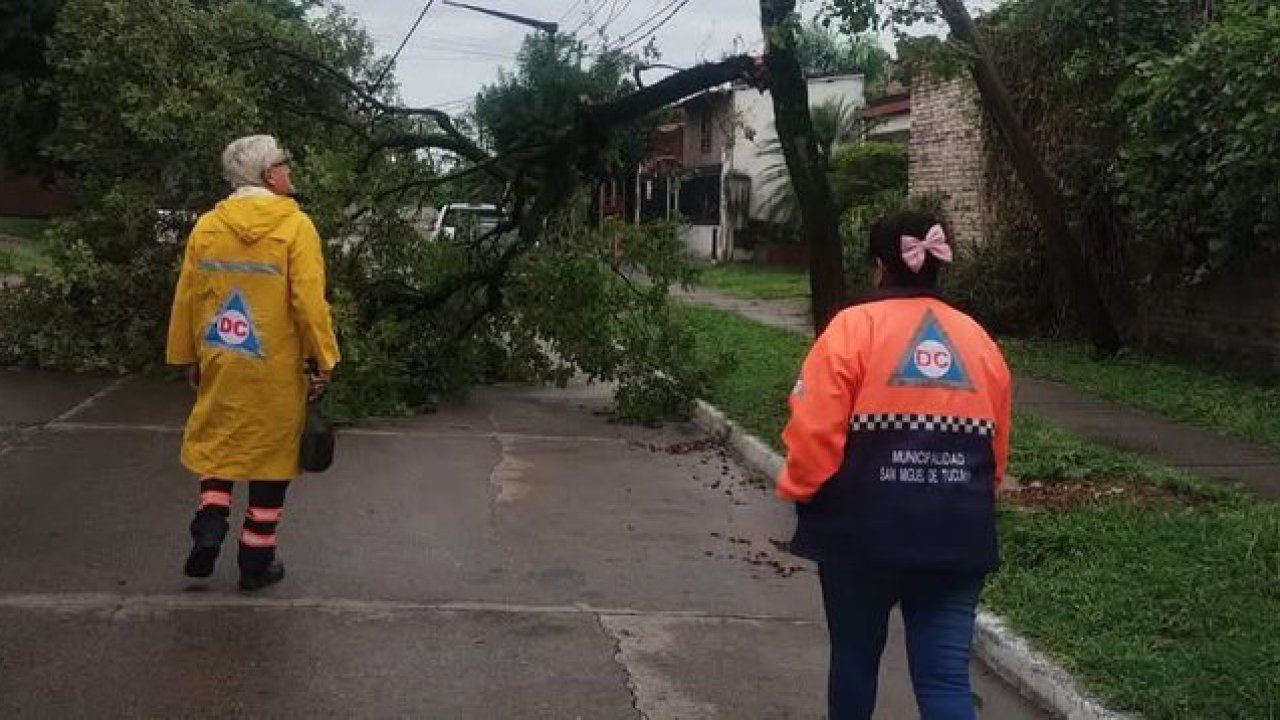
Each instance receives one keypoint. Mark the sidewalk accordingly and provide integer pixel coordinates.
(1203, 452)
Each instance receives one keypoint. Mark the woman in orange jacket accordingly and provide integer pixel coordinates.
(898, 437)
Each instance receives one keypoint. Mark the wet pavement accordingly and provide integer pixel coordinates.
(514, 557)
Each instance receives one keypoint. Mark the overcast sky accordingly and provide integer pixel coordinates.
(455, 51)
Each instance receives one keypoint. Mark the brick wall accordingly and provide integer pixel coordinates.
(946, 153)
(1232, 322)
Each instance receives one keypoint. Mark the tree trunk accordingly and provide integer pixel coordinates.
(819, 219)
(1045, 198)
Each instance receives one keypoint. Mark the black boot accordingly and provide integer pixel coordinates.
(259, 568)
(208, 530)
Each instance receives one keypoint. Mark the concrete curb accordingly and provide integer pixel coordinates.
(1005, 652)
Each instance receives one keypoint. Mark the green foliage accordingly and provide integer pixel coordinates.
(1200, 165)
(860, 16)
(834, 122)
(597, 321)
(823, 51)
(28, 111)
(759, 367)
(150, 93)
(862, 171)
(554, 77)
(1063, 61)
(1009, 285)
(86, 314)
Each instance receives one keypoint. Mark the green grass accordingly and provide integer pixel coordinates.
(754, 392)
(1173, 613)
(23, 258)
(26, 228)
(1171, 610)
(1180, 391)
(1217, 401)
(756, 282)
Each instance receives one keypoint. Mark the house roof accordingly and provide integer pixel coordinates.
(887, 106)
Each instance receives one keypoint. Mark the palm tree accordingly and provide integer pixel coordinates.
(834, 122)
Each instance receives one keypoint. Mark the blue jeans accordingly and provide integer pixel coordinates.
(938, 611)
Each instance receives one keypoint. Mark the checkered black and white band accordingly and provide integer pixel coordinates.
(926, 423)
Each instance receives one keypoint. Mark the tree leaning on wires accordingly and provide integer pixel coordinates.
(145, 89)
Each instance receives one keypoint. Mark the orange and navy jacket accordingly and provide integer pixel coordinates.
(899, 433)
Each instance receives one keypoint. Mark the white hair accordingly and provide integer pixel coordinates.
(246, 161)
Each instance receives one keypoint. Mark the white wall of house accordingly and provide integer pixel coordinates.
(754, 116)
(701, 240)
(894, 125)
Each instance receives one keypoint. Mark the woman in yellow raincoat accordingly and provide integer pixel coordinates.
(248, 311)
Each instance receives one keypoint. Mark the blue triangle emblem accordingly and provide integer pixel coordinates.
(233, 329)
(930, 359)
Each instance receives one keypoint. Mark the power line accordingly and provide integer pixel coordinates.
(658, 9)
(617, 9)
(589, 15)
(569, 12)
(653, 16)
(391, 63)
(653, 31)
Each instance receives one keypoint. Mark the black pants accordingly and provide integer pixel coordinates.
(262, 518)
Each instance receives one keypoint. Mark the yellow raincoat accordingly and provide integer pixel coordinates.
(249, 308)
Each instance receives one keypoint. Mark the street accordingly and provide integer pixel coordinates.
(517, 556)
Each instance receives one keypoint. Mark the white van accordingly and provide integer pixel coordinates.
(465, 222)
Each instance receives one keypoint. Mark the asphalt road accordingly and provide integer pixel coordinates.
(515, 557)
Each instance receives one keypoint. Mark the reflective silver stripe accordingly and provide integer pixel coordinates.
(248, 268)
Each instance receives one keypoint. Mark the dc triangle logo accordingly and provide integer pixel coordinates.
(233, 329)
(930, 359)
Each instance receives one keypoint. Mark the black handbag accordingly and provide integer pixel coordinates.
(318, 439)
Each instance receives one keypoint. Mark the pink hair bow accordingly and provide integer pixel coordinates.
(915, 250)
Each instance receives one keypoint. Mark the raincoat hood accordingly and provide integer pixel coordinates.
(254, 217)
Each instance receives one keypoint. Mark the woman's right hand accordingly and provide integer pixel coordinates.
(316, 384)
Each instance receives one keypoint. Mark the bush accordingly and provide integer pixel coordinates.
(1200, 167)
(861, 172)
(1006, 283)
(88, 312)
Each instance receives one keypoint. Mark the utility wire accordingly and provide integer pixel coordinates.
(392, 62)
(589, 15)
(659, 10)
(618, 9)
(569, 12)
(653, 31)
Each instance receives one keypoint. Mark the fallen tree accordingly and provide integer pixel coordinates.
(537, 297)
